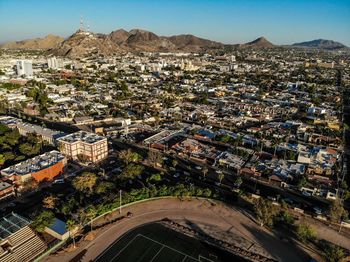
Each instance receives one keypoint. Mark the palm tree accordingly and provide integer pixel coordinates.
(71, 226)
(91, 212)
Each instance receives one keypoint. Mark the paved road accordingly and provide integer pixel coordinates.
(218, 219)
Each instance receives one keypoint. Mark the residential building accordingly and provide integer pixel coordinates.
(84, 146)
(54, 63)
(24, 67)
(45, 134)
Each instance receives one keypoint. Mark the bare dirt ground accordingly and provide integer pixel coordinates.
(214, 218)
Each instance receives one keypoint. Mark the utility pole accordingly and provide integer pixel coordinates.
(120, 201)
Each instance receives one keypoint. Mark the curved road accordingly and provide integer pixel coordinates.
(216, 219)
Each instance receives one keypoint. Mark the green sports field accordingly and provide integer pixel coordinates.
(156, 243)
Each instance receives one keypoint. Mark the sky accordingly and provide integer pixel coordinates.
(227, 21)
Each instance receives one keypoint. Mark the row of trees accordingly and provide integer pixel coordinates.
(15, 148)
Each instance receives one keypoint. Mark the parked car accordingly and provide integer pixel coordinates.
(305, 193)
(58, 181)
(318, 211)
(272, 198)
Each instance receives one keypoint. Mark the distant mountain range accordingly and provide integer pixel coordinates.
(47, 42)
(83, 43)
(322, 44)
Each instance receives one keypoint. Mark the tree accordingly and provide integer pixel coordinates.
(287, 218)
(128, 156)
(302, 182)
(221, 176)
(155, 177)
(265, 212)
(205, 171)
(103, 187)
(337, 211)
(90, 214)
(154, 158)
(131, 171)
(305, 233)
(207, 192)
(238, 181)
(31, 185)
(29, 149)
(333, 253)
(83, 158)
(43, 220)
(71, 226)
(85, 182)
(2, 159)
(174, 163)
(50, 201)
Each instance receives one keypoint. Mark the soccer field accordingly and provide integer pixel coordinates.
(157, 243)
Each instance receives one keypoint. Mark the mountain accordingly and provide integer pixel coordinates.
(48, 42)
(192, 42)
(83, 43)
(260, 42)
(142, 40)
(322, 44)
(118, 36)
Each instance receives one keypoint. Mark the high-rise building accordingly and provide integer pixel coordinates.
(54, 63)
(24, 68)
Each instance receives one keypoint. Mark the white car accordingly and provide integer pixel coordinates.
(58, 181)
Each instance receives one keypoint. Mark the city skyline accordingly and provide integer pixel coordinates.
(228, 22)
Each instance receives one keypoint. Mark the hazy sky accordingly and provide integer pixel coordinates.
(280, 21)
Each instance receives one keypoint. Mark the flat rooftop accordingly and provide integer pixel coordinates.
(4, 185)
(34, 164)
(86, 137)
(39, 130)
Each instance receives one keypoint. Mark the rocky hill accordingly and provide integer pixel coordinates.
(48, 42)
(84, 43)
(260, 42)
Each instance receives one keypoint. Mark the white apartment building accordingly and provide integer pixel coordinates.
(24, 67)
(54, 63)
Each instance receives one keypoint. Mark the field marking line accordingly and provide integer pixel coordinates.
(173, 249)
(157, 253)
(132, 240)
(184, 259)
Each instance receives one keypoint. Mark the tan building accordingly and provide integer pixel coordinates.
(84, 146)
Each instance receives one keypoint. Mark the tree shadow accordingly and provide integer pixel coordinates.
(280, 247)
